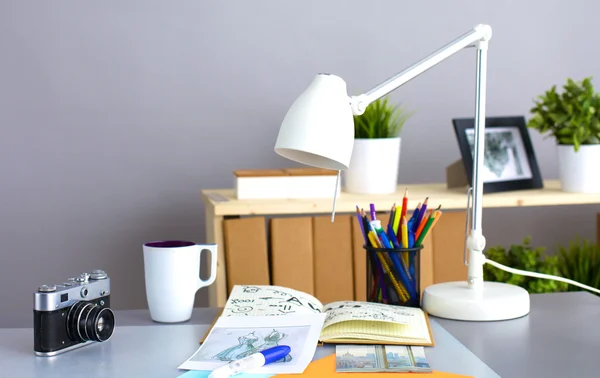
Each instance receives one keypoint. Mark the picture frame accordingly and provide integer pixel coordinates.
(510, 162)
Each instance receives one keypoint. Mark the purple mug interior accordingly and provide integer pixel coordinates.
(170, 244)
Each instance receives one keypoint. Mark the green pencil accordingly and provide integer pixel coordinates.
(425, 231)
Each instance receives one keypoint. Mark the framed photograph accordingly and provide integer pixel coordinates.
(509, 162)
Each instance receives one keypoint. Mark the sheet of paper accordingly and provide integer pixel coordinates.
(206, 373)
(349, 311)
(235, 337)
(246, 300)
(325, 367)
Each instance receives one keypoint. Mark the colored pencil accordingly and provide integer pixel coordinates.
(415, 213)
(422, 224)
(404, 204)
(420, 215)
(425, 231)
(392, 215)
(437, 217)
(404, 233)
(362, 225)
(404, 227)
(397, 216)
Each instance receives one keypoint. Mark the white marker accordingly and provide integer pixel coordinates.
(253, 361)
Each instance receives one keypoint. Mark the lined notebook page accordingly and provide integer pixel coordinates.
(349, 311)
(257, 300)
(361, 329)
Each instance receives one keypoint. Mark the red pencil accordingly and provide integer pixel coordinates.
(404, 203)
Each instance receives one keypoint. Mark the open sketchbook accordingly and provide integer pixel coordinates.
(346, 322)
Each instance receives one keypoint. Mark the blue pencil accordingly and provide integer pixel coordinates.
(395, 261)
(362, 225)
(397, 245)
(420, 215)
(415, 214)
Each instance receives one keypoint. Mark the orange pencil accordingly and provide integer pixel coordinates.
(423, 222)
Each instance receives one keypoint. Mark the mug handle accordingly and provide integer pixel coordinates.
(212, 248)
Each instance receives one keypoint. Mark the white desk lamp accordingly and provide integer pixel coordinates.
(318, 130)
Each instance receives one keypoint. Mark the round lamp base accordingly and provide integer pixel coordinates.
(495, 301)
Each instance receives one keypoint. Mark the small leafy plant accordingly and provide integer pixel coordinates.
(524, 257)
(580, 262)
(380, 120)
(571, 117)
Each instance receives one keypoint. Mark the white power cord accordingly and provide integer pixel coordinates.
(539, 275)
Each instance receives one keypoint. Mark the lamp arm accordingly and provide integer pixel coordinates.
(478, 33)
(477, 37)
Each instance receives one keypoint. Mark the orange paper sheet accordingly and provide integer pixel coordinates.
(325, 367)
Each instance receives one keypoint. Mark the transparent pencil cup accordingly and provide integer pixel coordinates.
(393, 276)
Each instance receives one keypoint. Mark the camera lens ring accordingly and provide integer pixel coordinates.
(72, 325)
(79, 322)
(87, 321)
(87, 336)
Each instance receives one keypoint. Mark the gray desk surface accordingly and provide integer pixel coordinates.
(142, 348)
(559, 338)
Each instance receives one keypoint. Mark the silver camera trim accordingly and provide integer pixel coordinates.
(83, 288)
(61, 351)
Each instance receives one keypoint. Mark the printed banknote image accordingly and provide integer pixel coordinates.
(357, 358)
(381, 358)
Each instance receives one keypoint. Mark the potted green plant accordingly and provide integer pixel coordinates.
(525, 257)
(376, 154)
(580, 262)
(573, 119)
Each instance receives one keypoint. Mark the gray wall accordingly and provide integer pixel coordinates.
(115, 114)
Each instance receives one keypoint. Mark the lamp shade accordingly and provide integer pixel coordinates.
(318, 129)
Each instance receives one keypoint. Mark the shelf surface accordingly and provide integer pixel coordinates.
(225, 202)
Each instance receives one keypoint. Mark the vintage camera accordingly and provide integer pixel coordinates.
(72, 314)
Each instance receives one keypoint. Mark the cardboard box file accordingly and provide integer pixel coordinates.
(292, 263)
(246, 255)
(332, 248)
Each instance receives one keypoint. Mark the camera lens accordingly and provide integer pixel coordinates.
(87, 321)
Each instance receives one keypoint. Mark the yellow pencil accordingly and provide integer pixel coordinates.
(437, 217)
(374, 240)
(397, 216)
(400, 289)
(405, 239)
(404, 233)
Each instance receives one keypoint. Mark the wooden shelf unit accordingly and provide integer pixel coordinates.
(221, 204)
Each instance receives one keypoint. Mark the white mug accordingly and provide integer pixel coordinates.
(172, 274)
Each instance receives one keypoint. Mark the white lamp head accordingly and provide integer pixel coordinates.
(318, 129)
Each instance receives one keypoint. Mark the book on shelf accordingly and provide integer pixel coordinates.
(285, 183)
(346, 322)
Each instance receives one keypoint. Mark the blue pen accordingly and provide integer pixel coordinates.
(253, 361)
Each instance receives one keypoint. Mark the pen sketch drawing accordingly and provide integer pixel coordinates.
(235, 343)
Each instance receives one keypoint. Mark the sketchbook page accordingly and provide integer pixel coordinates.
(350, 310)
(235, 337)
(250, 300)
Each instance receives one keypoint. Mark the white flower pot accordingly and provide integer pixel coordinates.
(373, 166)
(579, 171)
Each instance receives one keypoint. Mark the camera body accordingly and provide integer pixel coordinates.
(72, 314)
